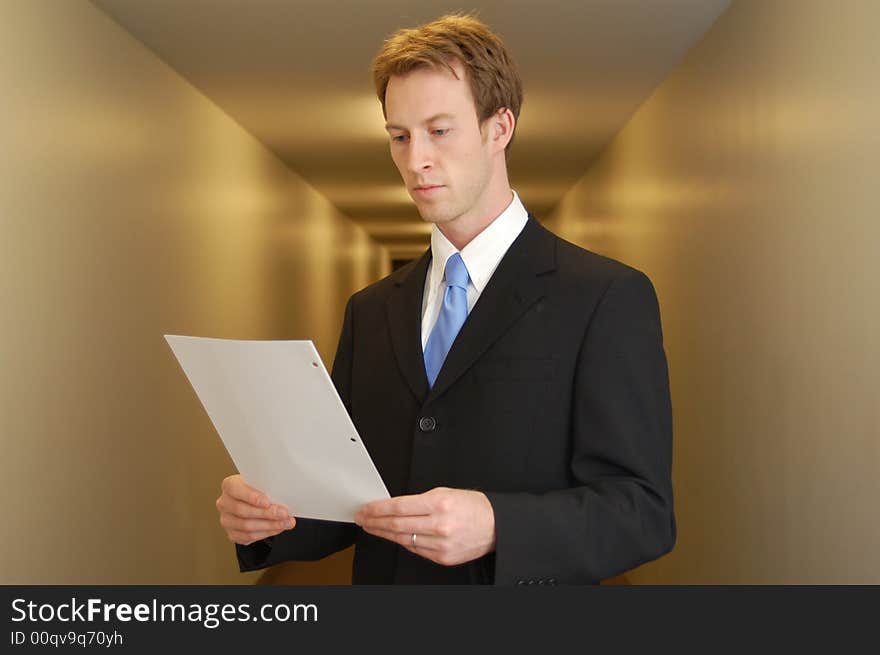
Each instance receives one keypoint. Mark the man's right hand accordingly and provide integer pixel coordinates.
(248, 515)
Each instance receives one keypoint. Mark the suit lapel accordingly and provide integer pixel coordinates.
(514, 287)
(405, 322)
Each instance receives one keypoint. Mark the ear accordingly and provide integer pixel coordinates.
(501, 125)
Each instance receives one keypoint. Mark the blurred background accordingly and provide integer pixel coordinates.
(220, 168)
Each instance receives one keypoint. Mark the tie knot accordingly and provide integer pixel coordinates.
(456, 272)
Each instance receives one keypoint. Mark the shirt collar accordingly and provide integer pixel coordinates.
(482, 255)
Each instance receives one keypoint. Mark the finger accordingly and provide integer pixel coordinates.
(236, 487)
(412, 505)
(423, 542)
(245, 510)
(404, 524)
(231, 522)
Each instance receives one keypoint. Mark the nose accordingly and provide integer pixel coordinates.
(420, 157)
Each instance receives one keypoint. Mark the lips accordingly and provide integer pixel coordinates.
(427, 192)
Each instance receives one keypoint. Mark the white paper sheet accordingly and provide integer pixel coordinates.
(282, 422)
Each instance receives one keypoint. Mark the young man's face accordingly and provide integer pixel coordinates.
(436, 143)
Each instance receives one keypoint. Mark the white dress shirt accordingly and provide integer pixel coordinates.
(481, 257)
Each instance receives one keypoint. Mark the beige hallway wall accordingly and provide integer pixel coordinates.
(746, 187)
(132, 207)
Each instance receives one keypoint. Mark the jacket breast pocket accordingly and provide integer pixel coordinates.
(517, 368)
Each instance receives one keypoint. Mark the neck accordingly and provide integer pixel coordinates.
(463, 229)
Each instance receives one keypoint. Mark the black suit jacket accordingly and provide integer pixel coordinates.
(553, 401)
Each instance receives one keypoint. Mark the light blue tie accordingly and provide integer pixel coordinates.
(452, 316)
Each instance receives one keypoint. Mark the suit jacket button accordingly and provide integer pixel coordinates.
(427, 424)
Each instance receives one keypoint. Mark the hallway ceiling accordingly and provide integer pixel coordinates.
(296, 75)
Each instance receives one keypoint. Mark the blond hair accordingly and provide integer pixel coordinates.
(494, 80)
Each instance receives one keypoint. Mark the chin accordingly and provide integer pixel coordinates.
(436, 215)
(430, 216)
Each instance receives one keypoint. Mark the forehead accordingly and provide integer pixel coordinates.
(425, 92)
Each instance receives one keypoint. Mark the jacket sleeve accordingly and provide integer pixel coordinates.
(618, 513)
(310, 539)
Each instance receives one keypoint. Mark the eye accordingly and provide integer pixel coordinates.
(398, 138)
(440, 131)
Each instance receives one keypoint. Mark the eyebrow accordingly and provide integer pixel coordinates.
(435, 117)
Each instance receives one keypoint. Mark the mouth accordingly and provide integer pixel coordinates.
(427, 189)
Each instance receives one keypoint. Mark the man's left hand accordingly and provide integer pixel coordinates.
(452, 526)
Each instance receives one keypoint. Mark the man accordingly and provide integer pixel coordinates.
(511, 387)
